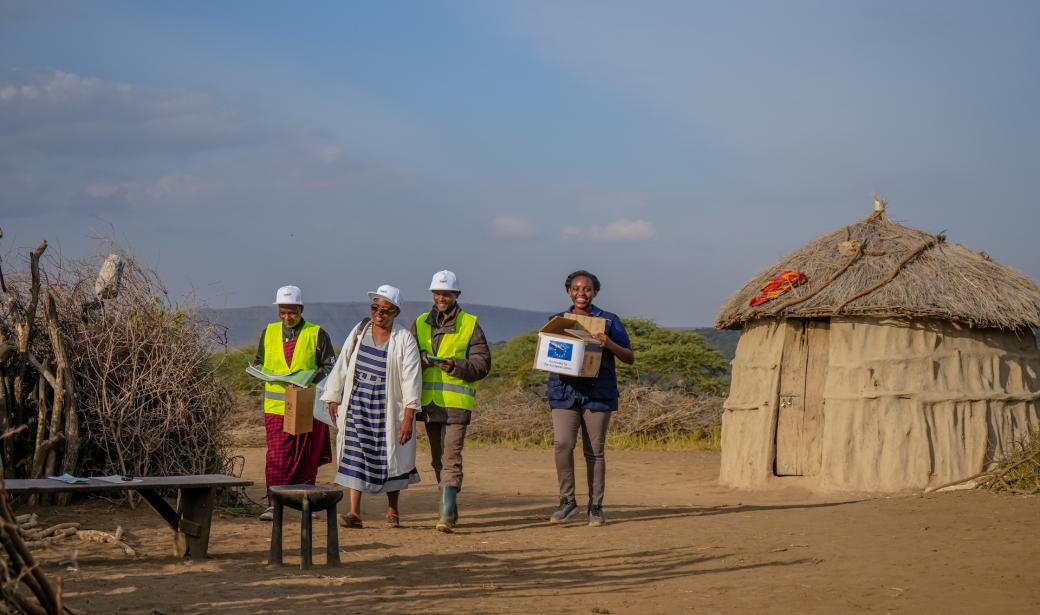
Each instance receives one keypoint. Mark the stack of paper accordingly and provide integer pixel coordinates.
(301, 378)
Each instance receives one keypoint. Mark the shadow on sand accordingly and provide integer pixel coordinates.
(434, 581)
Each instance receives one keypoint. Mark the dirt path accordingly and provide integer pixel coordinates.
(675, 543)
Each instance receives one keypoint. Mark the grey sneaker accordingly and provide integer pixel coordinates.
(567, 509)
(267, 515)
(596, 517)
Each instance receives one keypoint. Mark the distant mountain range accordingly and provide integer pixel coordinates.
(499, 323)
(245, 324)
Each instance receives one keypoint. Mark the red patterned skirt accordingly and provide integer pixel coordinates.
(294, 460)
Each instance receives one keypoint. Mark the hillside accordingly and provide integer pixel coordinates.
(725, 341)
(500, 324)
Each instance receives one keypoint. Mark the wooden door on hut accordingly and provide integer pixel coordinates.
(799, 421)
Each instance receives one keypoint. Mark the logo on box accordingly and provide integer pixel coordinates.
(560, 350)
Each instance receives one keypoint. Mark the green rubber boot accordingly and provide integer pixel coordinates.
(449, 510)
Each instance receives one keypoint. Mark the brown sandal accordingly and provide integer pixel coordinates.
(351, 521)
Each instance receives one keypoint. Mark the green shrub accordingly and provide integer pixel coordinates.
(673, 360)
(230, 367)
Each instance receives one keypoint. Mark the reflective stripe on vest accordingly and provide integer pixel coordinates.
(305, 356)
(439, 387)
(444, 386)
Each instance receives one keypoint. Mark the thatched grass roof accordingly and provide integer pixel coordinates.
(876, 267)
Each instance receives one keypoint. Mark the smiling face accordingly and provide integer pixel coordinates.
(444, 300)
(582, 292)
(290, 315)
(383, 313)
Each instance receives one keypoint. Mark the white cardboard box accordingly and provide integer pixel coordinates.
(559, 354)
(566, 346)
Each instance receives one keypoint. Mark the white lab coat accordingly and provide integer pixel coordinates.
(403, 390)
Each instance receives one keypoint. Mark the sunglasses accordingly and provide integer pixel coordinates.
(382, 311)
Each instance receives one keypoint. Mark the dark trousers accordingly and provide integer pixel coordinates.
(446, 441)
(593, 426)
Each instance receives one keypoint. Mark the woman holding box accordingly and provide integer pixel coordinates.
(586, 404)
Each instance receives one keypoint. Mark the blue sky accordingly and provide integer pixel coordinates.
(675, 148)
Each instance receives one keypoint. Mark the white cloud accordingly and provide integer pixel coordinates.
(102, 189)
(62, 114)
(172, 185)
(330, 153)
(618, 230)
(177, 183)
(512, 227)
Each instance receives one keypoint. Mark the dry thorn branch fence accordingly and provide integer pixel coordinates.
(113, 377)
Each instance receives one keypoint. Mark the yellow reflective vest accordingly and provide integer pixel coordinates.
(305, 356)
(439, 387)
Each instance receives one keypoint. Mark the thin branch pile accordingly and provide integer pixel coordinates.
(108, 373)
(1017, 473)
(24, 588)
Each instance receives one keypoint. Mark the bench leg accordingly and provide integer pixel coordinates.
(170, 516)
(332, 540)
(276, 536)
(305, 534)
(195, 508)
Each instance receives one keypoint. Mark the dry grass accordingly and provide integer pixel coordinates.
(1019, 472)
(879, 268)
(647, 419)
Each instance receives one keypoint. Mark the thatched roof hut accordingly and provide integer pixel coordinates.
(902, 362)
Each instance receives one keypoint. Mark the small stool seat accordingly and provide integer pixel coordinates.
(306, 499)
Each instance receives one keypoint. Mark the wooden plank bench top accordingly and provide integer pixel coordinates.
(197, 481)
(192, 519)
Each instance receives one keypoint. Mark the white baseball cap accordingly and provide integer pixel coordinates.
(445, 280)
(289, 295)
(390, 293)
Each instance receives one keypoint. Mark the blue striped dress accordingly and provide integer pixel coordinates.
(363, 465)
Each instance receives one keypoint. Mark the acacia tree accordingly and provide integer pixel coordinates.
(672, 359)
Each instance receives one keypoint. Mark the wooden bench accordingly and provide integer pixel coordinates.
(191, 520)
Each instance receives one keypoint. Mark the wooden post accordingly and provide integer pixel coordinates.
(65, 391)
(14, 410)
(305, 533)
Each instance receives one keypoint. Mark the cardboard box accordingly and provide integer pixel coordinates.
(299, 410)
(566, 346)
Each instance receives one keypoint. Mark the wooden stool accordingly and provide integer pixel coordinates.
(306, 499)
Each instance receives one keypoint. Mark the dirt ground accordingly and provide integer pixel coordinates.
(675, 543)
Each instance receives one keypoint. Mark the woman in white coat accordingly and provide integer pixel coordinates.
(373, 393)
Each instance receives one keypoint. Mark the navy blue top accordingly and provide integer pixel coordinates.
(601, 392)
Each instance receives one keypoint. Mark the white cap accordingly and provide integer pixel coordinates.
(390, 293)
(289, 295)
(445, 280)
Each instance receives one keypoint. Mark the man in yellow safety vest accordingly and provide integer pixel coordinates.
(455, 357)
(290, 345)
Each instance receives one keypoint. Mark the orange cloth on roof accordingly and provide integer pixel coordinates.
(779, 285)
